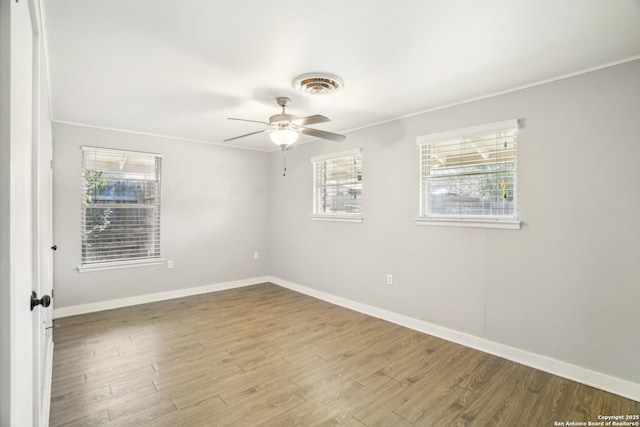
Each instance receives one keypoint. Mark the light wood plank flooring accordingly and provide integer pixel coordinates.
(264, 355)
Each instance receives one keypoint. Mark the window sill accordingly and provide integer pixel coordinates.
(337, 218)
(118, 265)
(506, 224)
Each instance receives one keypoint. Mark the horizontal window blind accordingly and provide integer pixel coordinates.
(120, 206)
(337, 184)
(470, 176)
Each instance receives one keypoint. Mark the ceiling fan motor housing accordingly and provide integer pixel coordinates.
(282, 119)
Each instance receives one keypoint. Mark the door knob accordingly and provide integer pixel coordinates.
(45, 301)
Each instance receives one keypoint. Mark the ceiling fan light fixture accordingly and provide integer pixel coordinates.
(318, 83)
(284, 137)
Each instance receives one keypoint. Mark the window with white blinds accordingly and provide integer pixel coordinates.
(120, 201)
(337, 185)
(470, 174)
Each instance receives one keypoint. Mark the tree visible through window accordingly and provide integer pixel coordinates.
(473, 174)
(120, 206)
(337, 184)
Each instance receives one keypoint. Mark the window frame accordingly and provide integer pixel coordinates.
(338, 216)
(461, 220)
(130, 262)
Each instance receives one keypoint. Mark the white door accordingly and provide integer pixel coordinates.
(20, 221)
(42, 232)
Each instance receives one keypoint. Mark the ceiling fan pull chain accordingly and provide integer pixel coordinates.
(284, 164)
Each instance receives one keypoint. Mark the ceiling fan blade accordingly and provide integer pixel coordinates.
(323, 134)
(310, 120)
(248, 134)
(245, 120)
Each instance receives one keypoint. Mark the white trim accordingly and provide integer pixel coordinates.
(487, 96)
(43, 31)
(471, 130)
(114, 151)
(586, 376)
(336, 218)
(508, 224)
(157, 135)
(336, 155)
(119, 264)
(45, 406)
(481, 97)
(160, 296)
(393, 119)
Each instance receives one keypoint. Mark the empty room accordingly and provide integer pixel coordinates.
(358, 213)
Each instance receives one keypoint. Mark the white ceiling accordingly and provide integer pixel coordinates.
(180, 68)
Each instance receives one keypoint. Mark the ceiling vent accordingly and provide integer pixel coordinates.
(318, 83)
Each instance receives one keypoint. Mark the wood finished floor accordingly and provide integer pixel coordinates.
(264, 355)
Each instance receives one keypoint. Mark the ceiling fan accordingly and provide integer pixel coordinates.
(284, 129)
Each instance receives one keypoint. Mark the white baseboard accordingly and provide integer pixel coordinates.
(553, 366)
(557, 367)
(160, 296)
(45, 406)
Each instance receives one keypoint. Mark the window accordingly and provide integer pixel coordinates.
(120, 208)
(469, 177)
(337, 186)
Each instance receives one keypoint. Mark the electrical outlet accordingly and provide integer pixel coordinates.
(170, 264)
(256, 255)
(389, 279)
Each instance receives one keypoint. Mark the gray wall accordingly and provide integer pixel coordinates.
(214, 216)
(566, 285)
